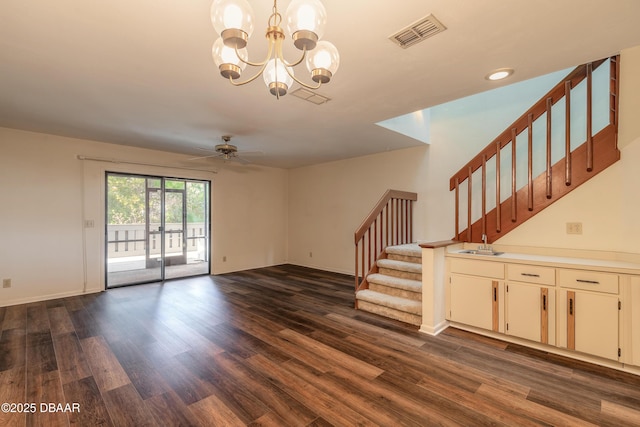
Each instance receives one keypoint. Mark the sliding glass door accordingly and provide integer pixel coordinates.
(157, 228)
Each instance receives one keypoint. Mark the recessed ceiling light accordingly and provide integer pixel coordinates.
(499, 74)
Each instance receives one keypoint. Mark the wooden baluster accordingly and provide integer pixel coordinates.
(406, 221)
(589, 117)
(356, 272)
(397, 221)
(530, 162)
(498, 206)
(375, 239)
(364, 271)
(386, 210)
(457, 188)
(484, 194)
(567, 136)
(469, 191)
(381, 245)
(514, 194)
(614, 75)
(548, 168)
(410, 223)
(372, 247)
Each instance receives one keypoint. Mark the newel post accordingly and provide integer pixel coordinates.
(433, 286)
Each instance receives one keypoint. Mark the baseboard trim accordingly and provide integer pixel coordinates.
(42, 298)
(612, 364)
(434, 330)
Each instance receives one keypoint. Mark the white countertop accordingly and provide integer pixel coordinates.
(554, 261)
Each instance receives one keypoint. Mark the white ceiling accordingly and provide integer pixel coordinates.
(140, 72)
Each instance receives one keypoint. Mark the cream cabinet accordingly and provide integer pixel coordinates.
(474, 294)
(577, 310)
(589, 320)
(473, 301)
(530, 312)
(530, 303)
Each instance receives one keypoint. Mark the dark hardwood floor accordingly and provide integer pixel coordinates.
(279, 346)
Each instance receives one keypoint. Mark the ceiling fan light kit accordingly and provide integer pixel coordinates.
(227, 151)
(305, 20)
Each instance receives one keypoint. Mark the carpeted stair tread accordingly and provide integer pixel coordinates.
(400, 265)
(409, 249)
(397, 303)
(395, 282)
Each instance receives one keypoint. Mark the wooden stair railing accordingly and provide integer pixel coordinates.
(598, 152)
(389, 223)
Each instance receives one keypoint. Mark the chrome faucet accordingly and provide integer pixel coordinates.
(484, 247)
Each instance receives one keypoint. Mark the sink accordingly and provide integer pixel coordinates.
(480, 252)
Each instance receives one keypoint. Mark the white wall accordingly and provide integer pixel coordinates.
(266, 216)
(328, 202)
(42, 189)
(607, 205)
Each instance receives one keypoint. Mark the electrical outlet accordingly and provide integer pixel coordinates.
(6, 283)
(89, 223)
(574, 228)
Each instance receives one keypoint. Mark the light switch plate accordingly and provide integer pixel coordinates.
(574, 228)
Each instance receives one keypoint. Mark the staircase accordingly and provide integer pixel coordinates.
(395, 290)
(561, 142)
(546, 153)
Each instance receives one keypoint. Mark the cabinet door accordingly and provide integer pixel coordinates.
(527, 311)
(592, 323)
(473, 301)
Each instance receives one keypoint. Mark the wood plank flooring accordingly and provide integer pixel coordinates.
(280, 346)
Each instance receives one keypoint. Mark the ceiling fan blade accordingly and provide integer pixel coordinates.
(251, 153)
(205, 157)
(240, 160)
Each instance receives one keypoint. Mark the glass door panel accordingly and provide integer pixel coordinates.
(157, 228)
(187, 228)
(153, 227)
(127, 238)
(175, 221)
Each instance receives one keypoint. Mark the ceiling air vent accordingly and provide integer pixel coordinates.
(418, 31)
(307, 95)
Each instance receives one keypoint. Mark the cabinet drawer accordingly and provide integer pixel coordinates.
(588, 280)
(531, 274)
(477, 268)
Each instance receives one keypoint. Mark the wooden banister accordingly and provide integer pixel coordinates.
(382, 203)
(575, 167)
(537, 110)
(390, 222)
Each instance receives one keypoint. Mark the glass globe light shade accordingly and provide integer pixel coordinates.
(276, 77)
(233, 20)
(323, 62)
(226, 59)
(306, 20)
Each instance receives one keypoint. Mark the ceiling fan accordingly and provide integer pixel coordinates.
(230, 152)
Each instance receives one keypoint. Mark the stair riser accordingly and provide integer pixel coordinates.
(398, 273)
(405, 258)
(395, 292)
(390, 313)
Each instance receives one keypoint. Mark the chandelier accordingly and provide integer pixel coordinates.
(305, 21)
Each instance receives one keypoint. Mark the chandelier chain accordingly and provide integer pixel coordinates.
(275, 19)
